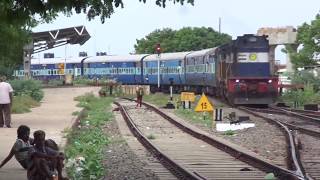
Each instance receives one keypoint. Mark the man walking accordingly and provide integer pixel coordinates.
(139, 92)
(5, 102)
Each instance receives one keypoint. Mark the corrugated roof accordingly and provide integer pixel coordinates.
(35, 61)
(117, 58)
(201, 52)
(167, 56)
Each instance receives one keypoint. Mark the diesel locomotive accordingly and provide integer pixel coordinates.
(238, 71)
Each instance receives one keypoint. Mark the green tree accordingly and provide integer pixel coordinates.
(17, 17)
(20, 11)
(309, 37)
(185, 39)
(12, 40)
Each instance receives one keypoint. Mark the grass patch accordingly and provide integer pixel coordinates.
(229, 133)
(87, 141)
(159, 99)
(76, 113)
(190, 114)
(151, 136)
(23, 104)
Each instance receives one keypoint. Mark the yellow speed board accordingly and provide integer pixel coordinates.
(204, 105)
(187, 96)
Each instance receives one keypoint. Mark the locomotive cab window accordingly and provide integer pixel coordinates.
(252, 39)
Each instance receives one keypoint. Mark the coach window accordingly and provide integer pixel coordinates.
(97, 71)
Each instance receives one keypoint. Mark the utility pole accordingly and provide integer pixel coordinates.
(219, 25)
(27, 52)
(158, 50)
(158, 57)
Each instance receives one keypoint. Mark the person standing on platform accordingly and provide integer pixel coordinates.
(6, 93)
(139, 92)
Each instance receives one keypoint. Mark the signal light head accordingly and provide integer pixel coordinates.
(158, 48)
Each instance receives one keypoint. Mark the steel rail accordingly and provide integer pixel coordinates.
(290, 113)
(238, 154)
(294, 153)
(176, 169)
(302, 111)
(291, 126)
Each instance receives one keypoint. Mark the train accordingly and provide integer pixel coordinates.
(239, 71)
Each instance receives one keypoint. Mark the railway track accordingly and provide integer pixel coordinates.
(191, 155)
(302, 123)
(303, 134)
(301, 114)
(306, 112)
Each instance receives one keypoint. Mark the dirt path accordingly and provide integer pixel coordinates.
(53, 116)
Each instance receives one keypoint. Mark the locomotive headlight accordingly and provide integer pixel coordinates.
(270, 81)
(253, 56)
(237, 80)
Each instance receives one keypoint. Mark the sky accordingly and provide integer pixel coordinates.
(118, 34)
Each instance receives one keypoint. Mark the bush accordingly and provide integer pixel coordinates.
(30, 88)
(55, 82)
(22, 104)
(306, 77)
(82, 81)
(306, 96)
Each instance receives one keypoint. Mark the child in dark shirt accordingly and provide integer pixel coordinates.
(44, 160)
(20, 148)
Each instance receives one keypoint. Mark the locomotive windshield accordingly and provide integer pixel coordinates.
(249, 43)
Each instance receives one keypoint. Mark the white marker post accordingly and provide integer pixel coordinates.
(158, 70)
(158, 50)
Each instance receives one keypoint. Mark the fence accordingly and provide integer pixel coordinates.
(131, 89)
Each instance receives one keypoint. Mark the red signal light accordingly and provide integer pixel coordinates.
(158, 48)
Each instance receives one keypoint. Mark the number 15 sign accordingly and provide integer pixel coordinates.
(204, 105)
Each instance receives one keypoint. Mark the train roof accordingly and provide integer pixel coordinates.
(35, 61)
(167, 56)
(202, 52)
(115, 58)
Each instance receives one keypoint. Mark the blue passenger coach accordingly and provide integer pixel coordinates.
(171, 70)
(200, 70)
(125, 69)
(52, 68)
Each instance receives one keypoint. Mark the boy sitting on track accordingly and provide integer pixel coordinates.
(44, 160)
